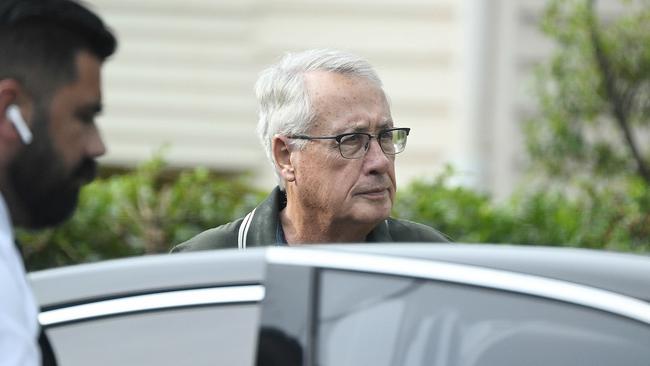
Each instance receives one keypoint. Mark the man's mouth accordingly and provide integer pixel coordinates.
(374, 193)
(86, 171)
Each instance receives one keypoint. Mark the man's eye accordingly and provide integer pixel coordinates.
(351, 139)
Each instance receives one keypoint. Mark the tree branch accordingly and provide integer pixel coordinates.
(617, 100)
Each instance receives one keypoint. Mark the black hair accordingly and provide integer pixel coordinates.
(39, 40)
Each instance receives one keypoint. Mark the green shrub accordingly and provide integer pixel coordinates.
(141, 212)
(146, 211)
(458, 212)
(587, 216)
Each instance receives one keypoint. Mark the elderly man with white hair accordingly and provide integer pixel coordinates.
(326, 126)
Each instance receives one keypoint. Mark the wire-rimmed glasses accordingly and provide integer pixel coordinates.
(354, 145)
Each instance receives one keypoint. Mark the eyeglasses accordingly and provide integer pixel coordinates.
(355, 145)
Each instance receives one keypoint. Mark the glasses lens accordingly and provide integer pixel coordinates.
(393, 141)
(352, 145)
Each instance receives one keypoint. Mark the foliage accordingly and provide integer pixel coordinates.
(591, 188)
(460, 213)
(589, 217)
(144, 212)
(594, 95)
(137, 213)
(589, 185)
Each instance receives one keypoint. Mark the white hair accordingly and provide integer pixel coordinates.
(284, 104)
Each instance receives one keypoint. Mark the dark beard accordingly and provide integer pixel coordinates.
(44, 188)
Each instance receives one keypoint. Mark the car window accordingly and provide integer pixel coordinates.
(214, 335)
(286, 325)
(367, 319)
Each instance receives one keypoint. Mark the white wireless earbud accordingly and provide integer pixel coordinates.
(14, 115)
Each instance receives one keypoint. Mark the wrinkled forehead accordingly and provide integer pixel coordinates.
(342, 101)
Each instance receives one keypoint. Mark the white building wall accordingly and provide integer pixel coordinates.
(184, 74)
(517, 47)
(458, 72)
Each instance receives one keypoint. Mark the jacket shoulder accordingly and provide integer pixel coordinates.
(405, 231)
(221, 237)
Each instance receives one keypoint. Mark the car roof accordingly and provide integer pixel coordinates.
(623, 273)
(626, 274)
(137, 275)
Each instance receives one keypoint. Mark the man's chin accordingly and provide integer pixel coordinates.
(53, 212)
(373, 214)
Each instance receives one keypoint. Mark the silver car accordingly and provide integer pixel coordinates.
(352, 305)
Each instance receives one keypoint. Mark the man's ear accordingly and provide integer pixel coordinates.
(281, 148)
(8, 94)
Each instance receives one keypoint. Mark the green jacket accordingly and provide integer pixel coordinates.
(259, 228)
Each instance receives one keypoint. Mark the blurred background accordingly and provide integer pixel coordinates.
(529, 118)
(456, 73)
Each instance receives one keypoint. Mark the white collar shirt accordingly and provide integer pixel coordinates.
(18, 311)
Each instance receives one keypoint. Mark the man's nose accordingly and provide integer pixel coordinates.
(95, 146)
(375, 160)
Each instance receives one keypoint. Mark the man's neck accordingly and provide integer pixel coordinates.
(302, 228)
